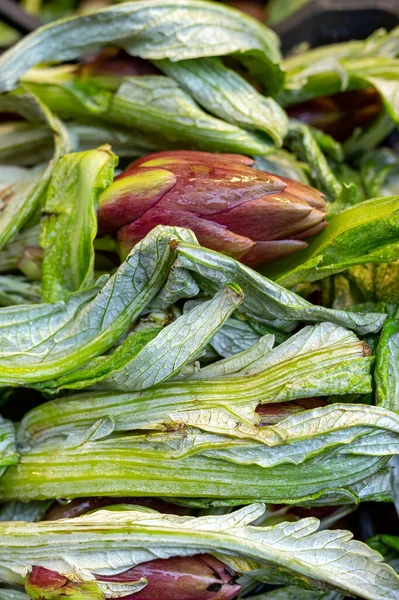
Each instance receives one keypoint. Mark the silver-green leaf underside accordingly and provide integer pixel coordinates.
(227, 95)
(8, 447)
(39, 342)
(69, 224)
(235, 336)
(80, 547)
(265, 300)
(180, 284)
(317, 361)
(162, 357)
(153, 104)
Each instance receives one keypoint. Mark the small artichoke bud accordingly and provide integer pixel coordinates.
(253, 216)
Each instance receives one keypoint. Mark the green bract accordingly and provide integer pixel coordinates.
(90, 321)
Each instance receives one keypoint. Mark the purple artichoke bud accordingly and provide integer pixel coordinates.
(250, 215)
(200, 577)
(45, 584)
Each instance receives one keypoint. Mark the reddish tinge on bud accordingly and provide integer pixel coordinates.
(45, 584)
(200, 577)
(232, 208)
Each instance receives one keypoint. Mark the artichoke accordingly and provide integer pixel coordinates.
(200, 577)
(251, 215)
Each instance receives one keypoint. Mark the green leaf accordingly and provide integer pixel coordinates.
(386, 373)
(328, 145)
(347, 66)
(380, 172)
(157, 104)
(162, 357)
(234, 337)
(263, 299)
(317, 361)
(363, 287)
(134, 466)
(21, 199)
(69, 225)
(8, 447)
(156, 30)
(8, 35)
(376, 487)
(322, 559)
(27, 144)
(124, 142)
(387, 545)
(353, 190)
(227, 95)
(18, 290)
(101, 367)
(366, 233)
(40, 342)
(302, 142)
(154, 104)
